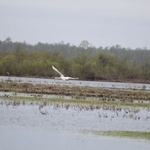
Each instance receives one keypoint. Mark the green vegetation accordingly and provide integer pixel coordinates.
(129, 134)
(92, 103)
(88, 63)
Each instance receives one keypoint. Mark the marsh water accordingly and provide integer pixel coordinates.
(77, 83)
(62, 126)
(59, 126)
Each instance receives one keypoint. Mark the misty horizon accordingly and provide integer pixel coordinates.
(101, 23)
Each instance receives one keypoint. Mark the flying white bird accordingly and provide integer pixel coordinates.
(62, 76)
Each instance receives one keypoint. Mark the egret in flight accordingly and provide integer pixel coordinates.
(62, 76)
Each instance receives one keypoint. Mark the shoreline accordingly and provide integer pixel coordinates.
(113, 80)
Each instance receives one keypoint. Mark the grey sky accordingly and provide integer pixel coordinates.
(101, 22)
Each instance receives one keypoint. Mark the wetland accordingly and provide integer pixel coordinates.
(77, 116)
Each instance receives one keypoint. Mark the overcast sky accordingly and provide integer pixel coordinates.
(101, 22)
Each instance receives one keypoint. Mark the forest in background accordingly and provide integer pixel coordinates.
(84, 61)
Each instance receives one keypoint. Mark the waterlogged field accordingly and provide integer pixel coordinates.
(49, 116)
(75, 116)
(55, 125)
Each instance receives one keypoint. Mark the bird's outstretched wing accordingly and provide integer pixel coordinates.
(57, 71)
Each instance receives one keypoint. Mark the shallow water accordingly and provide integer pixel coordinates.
(24, 126)
(59, 126)
(74, 116)
(29, 139)
(77, 83)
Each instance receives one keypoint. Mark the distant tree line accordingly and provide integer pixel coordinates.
(84, 61)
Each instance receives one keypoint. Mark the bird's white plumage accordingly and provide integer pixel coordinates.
(62, 76)
(58, 71)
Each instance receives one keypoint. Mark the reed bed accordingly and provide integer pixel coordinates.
(78, 92)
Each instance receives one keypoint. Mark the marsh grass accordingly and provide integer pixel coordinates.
(77, 94)
(76, 91)
(119, 109)
(77, 101)
(115, 133)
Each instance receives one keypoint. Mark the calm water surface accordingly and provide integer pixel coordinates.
(77, 83)
(29, 139)
(25, 127)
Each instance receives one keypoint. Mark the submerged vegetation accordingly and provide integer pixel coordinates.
(92, 104)
(103, 109)
(119, 133)
(87, 63)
